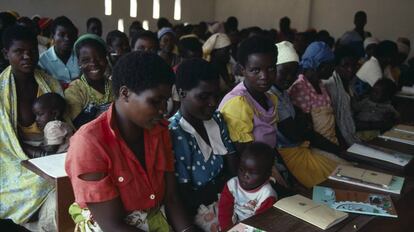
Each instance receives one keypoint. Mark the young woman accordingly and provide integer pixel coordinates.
(308, 92)
(23, 193)
(60, 60)
(90, 95)
(168, 40)
(121, 165)
(205, 157)
(249, 111)
(293, 134)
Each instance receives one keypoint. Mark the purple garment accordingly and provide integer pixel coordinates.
(264, 121)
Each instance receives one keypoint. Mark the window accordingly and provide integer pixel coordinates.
(133, 8)
(156, 9)
(177, 9)
(121, 25)
(145, 25)
(108, 7)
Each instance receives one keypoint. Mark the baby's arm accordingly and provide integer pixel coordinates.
(266, 204)
(51, 149)
(225, 209)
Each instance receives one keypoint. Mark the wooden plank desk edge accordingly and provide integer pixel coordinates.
(64, 196)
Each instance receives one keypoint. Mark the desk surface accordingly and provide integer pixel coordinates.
(277, 220)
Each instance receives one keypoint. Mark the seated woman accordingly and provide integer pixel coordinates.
(205, 157)
(308, 167)
(121, 164)
(90, 95)
(342, 95)
(217, 50)
(168, 40)
(23, 193)
(145, 41)
(60, 60)
(308, 92)
(249, 110)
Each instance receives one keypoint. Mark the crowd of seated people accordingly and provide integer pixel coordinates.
(188, 128)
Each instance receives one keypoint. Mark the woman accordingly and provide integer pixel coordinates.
(168, 40)
(217, 50)
(59, 60)
(249, 111)
(308, 167)
(308, 92)
(121, 165)
(90, 95)
(22, 192)
(204, 155)
(339, 89)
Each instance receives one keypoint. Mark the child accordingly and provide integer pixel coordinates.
(376, 112)
(249, 193)
(49, 109)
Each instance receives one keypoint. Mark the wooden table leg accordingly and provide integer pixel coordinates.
(64, 198)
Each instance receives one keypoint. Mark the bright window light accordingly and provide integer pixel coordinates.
(108, 7)
(133, 8)
(156, 9)
(177, 10)
(121, 25)
(145, 25)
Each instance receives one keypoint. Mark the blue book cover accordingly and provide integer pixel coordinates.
(355, 202)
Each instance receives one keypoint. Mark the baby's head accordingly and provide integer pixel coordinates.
(256, 164)
(383, 90)
(48, 107)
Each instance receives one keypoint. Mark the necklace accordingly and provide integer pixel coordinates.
(93, 99)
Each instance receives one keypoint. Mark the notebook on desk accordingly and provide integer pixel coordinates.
(316, 214)
(400, 133)
(368, 178)
(52, 165)
(380, 153)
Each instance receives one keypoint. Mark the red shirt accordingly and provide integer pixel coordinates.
(99, 147)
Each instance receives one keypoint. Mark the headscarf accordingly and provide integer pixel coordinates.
(89, 36)
(370, 40)
(216, 41)
(164, 31)
(286, 53)
(315, 54)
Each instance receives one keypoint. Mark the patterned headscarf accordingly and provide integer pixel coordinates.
(315, 54)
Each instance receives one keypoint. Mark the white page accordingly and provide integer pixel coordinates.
(52, 165)
(392, 157)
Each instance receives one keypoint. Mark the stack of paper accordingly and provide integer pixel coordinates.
(52, 165)
(316, 214)
(400, 133)
(383, 154)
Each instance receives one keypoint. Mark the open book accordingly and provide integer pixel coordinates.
(400, 133)
(52, 165)
(316, 214)
(379, 153)
(367, 178)
(355, 201)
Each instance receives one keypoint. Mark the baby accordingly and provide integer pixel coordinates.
(49, 109)
(249, 193)
(376, 112)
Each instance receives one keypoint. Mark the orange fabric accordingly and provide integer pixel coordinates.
(98, 147)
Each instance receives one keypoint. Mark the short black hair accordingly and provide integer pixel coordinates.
(344, 51)
(18, 33)
(163, 22)
(262, 152)
(190, 72)
(63, 21)
(139, 71)
(189, 44)
(51, 101)
(386, 48)
(112, 35)
(360, 13)
(93, 20)
(389, 87)
(144, 35)
(254, 45)
(90, 42)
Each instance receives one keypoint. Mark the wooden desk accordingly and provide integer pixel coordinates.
(64, 197)
(405, 106)
(277, 220)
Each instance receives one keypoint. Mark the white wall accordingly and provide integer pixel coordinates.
(80, 10)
